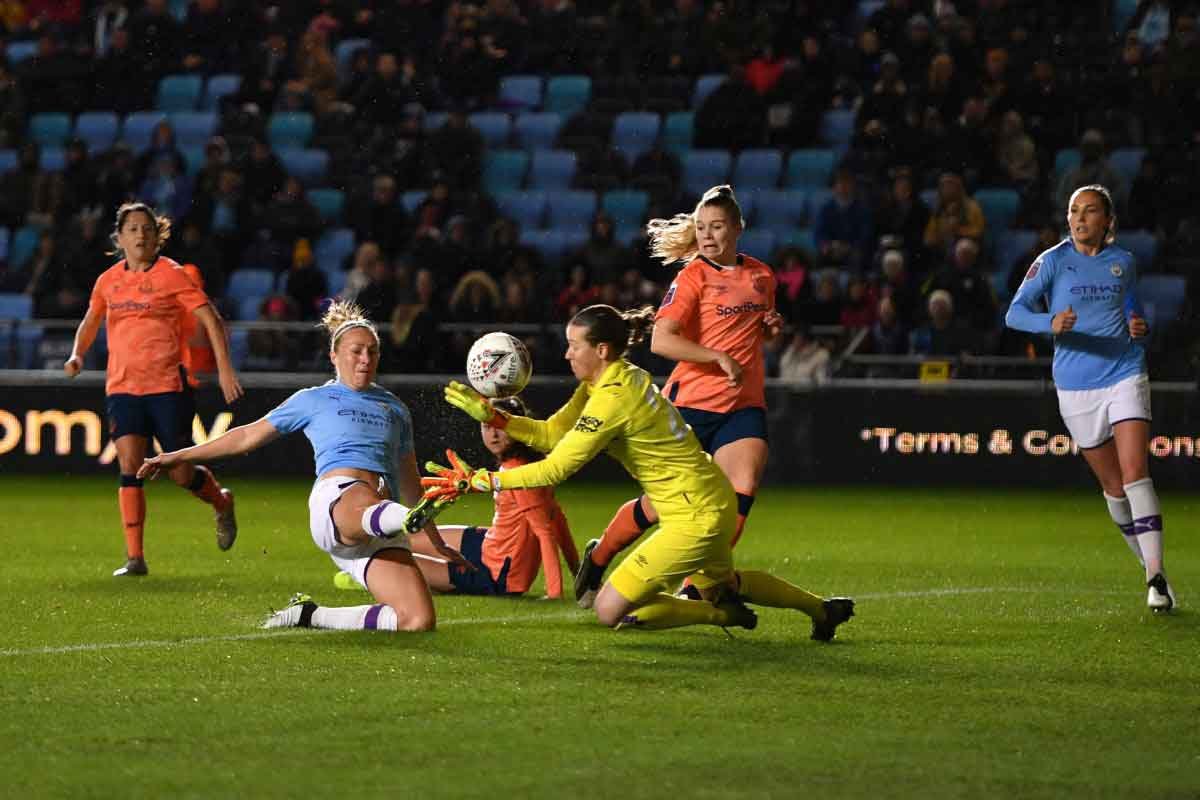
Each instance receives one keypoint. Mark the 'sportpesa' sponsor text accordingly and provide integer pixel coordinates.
(743, 308)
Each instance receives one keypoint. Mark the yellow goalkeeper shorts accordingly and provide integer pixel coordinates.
(697, 544)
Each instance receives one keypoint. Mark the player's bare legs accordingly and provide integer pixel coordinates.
(743, 462)
(435, 568)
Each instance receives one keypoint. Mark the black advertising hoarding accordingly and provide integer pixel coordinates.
(846, 433)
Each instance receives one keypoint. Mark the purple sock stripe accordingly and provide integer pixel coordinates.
(375, 515)
(1148, 524)
(371, 620)
(1128, 530)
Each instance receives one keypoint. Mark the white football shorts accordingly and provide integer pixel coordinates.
(349, 558)
(1091, 413)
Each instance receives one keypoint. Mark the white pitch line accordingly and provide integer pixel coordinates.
(145, 644)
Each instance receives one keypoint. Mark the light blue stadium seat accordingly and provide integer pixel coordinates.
(795, 237)
(28, 339)
(758, 242)
(810, 167)
(244, 282)
(248, 306)
(193, 159)
(53, 159)
(999, 207)
(97, 129)
(526, 208)
(23, 244)
(1127, 161)
(309, 165)
(1144, 247)
(14, 305)
(334, 246)
(537, 130)
(239, 347)
(504, 170)
(1122, 12)
(706, 85)
(757, 169)
(571, 209)
(329, 203)
(4, 235)
(552, 169)
(549, 243)
(179, 92)
(837, 128)
(678, 131)
(567, 94)
(635, 132)
(520, 92)
(703, 169)
(50, 129)
(290, 129)
(138, 127)
(493, 126)
(1167, 293)
(626, 207)
(217, 87)
(1011, 245)
(411, 199)
(335, 281)
(16, 52)
(780, 208)
(8, 160)
(1066, 160)
(748, 201)
(193, 128)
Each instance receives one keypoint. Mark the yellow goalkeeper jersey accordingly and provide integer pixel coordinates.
(623, 414)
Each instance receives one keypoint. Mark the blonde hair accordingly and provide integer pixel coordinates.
(343, 316)
(1106, 200)
(674, 239)
(162, 224)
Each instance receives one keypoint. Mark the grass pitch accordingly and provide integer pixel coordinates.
(1002, 649)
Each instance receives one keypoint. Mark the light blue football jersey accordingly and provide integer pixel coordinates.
(1098, 351)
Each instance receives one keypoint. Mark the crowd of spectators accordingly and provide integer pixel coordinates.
(950, 97)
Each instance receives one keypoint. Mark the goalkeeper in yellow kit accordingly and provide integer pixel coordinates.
(618, 408)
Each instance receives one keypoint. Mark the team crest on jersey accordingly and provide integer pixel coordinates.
(146, 286)
(759, 282)
(670, 296)
(1116, 270)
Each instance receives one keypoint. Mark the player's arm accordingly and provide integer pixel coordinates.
(85, 335)
(668, 341)
(1135, 315)
(231, 387)
(541, 435)
(542, 525)
(1023, 313)
(562, 532)
(234, 442)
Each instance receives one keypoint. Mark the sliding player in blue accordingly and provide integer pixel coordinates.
(1100, 368)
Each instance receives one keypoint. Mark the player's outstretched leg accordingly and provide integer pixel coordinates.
(303, 612)
(764, 589)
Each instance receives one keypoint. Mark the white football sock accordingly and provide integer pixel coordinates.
(355, 618)
(385, 519)
(1118, 509)
(1147, 523)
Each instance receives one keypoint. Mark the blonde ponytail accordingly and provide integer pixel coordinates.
(343, 315)
(674, 239)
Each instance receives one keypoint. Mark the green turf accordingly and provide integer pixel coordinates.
(1002, 649)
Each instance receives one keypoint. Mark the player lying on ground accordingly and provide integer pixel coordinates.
(361, 436)
(527, 531)
(618, 408)
(1100, 369)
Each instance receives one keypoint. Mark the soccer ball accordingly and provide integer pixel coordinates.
(498, 365)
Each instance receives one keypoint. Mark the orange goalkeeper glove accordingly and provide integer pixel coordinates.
(456, 480)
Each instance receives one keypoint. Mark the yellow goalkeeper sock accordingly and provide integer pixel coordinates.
(665, 611)
(764, 589)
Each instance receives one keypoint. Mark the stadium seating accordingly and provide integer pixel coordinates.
(999, 207)
(757, 169)
(97, 129)
(758, 242)
(1065, 160)
(243, 282)
(22, 245)
(526, 208)
(1009, 246)
(16, 306)
(290, 129)
(626, 207)
(329, 203)
(809, 168)
(179, 92)
(703, 169)
(193, 128)
(706, 85)
(139, 126)
(1166, 293)
(411, 199)
(635, 132)
(786, 207)
(677, 131)
(16, 52)
(4, 236)
(309, 165)
(1127, 161)
(248, 305)
(552, 169)
(537, 130)
(571, 209)
(837, 128)
(494, 126)
(335, 281)
(795, 237)
(218, 87)
(193, 158)
(50, 129)
(53, 159)
(504, 170)
(333, 248)
(8, 160)
(520, 92)
(816, 199)
(567, 94)
(549, 243)
(1144, 247)
(434, 120)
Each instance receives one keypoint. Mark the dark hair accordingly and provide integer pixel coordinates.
(162, 225)
(620, 330)
(515, 449)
